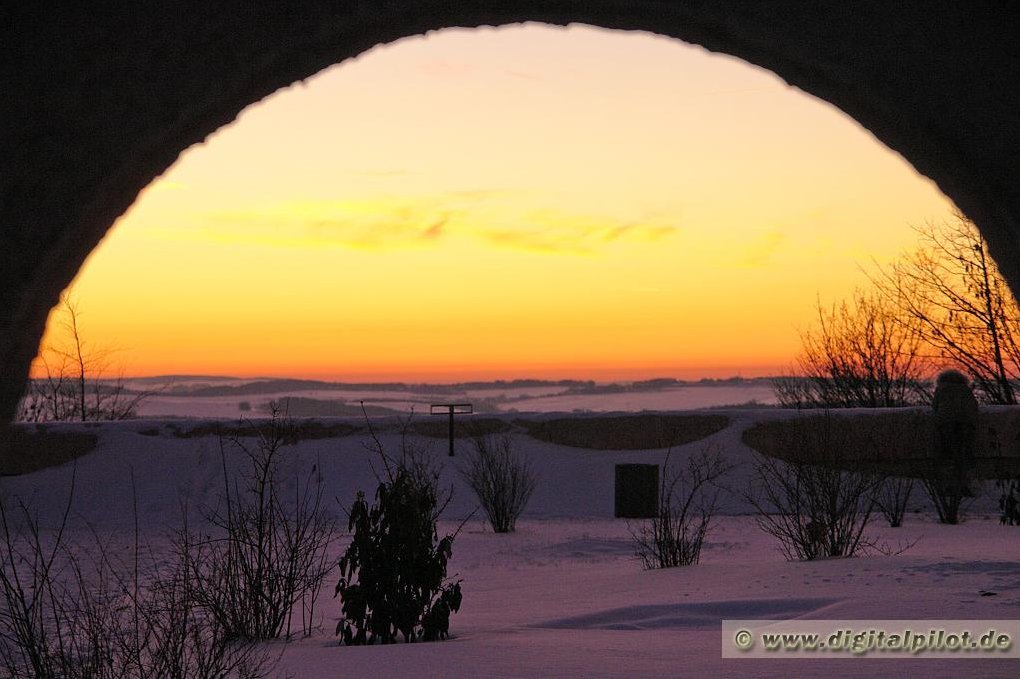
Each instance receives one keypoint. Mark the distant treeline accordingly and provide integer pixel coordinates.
(661, 383)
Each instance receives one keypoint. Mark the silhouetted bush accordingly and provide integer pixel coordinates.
(893, 495)
(502, 479)
(1009, 502)
(80, 611)
(813, 511)
(1009, 484)
(864, 353)
(688, 497)
(270, 558)
(947, 490)
(72, 385)
(892, 447)
(393, 574)
(817, 509)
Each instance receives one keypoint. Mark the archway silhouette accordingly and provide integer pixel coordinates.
(102, 104)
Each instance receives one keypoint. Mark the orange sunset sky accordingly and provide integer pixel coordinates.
(519, 202)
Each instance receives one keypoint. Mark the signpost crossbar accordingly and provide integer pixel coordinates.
(451, 409)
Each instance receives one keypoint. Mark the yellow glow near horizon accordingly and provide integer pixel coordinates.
(499, 203)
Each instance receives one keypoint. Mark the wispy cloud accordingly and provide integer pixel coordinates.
(536, 241)
(436, 230)
(645, 232)
(563, 233)
(500, 218)
(353, 224)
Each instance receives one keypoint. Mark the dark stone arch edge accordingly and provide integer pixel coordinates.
(103, 103)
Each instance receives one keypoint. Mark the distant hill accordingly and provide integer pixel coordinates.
(276, 386)
(217, 385)
(165, 379)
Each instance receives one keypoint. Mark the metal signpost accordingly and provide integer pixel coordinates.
(451, 409)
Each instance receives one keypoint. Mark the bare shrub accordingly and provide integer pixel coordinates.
(948, 491)
(814, 511)
(73, 382)
(688, 498)
(78, 611)
(502, 479)
(167, 632)
(952, 292)
(863, 353)
(1009, 501)
(794, 391)
(269, 558)
(1008, 483)
(416, 455)
(898, 446)
(810, 504)
(893, 496)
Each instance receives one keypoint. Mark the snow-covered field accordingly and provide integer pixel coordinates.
(540, 399)
(565, 595)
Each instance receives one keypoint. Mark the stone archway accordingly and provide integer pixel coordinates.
(97, 103)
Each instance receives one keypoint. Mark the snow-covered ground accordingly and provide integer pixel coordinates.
(565, 595)
(675, 398)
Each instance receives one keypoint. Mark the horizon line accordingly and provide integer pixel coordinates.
(411, 380)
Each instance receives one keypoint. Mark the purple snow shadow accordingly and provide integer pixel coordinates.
(707, 615)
